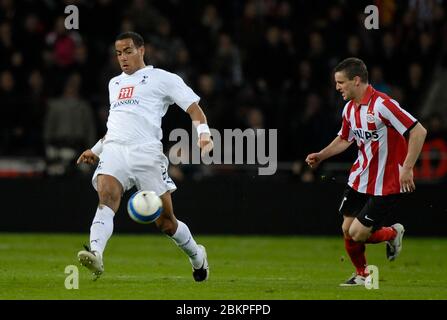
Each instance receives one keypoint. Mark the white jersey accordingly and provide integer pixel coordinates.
(140, 100)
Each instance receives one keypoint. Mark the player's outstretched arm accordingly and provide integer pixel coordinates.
(415, 142)
(338, 145)
(199, 120)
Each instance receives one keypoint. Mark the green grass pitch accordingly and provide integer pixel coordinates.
(242, 267)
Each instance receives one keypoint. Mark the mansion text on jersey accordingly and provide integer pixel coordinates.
(125, 102)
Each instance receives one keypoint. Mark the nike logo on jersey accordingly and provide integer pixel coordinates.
(368, 218)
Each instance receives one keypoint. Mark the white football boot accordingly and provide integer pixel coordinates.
(394, 247)
(92, 260)
(203, 272)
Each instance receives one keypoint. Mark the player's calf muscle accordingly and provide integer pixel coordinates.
(167, 225)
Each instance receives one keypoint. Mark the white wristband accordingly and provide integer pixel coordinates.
(97, 148)
(203, 128)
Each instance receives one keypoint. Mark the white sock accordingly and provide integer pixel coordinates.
(101, 229)
(184, 240)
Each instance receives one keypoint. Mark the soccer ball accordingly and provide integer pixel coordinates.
(144, 206)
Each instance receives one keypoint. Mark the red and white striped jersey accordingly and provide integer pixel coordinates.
(377, 124)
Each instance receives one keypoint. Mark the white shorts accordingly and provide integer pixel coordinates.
(141, 165)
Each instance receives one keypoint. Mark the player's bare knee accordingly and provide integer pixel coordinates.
(353, 234)
(109, 196)
(346, 233)
(359, 237)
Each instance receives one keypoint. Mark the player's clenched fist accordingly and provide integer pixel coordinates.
(88, 157)
(205, 143)
(313, 160)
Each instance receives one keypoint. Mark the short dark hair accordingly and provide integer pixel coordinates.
(136, 38)
(353, 67)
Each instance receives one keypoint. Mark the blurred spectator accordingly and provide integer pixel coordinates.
(311, 129)
(17, 67)
(84, 66)
(69, 127)
(35, 100)
(423, 10)
(144, 16)
(397, 93)
(377, 80)
(33, 37)
(60, 53)
(6, 45)
(284, 15)
(62, 44)
(414, 85)
(354, 47)
(227, 63)
(335, 30)
(250, 27)
(211, 20)
(183, 65)
(7, 10)
(105, 31)
(255, 119)
(207, 30)
(165, 44)
(312, 126)
(11, 120)
(318, 56)
(424, 53)
(387, 11)
(127, 25)
(110, 69)
(218, 114)
(390, 59)
(273, 65)
(304, 81)
(436, 127)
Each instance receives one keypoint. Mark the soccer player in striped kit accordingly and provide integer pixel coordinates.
(383, 169)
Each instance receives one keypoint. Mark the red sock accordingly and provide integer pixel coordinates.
(356, 251)
(383, 234)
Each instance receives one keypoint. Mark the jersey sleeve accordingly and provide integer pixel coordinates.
(345, 131)
(110, 91)
(178, 92)
(395, 116)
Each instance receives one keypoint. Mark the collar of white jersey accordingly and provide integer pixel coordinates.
(149, 67)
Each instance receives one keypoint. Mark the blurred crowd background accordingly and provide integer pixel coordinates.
(255, 64)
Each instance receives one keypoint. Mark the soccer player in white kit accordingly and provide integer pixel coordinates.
(131, 152)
